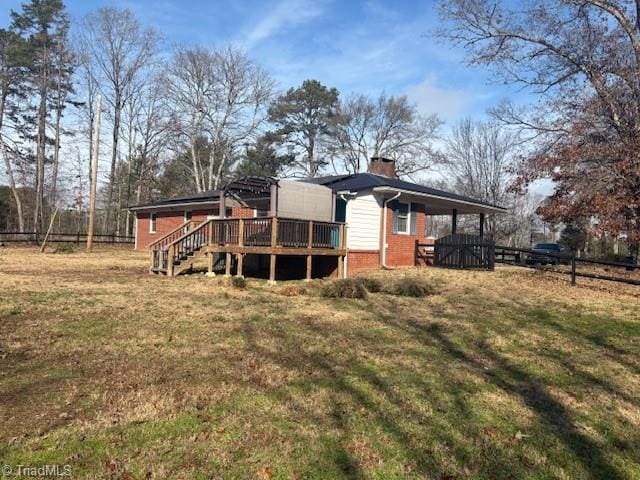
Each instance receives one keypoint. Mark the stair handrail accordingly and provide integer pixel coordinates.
(192, 231)
(172, 232)
(171, 248)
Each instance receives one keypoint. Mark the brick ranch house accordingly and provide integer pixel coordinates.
(382, 219)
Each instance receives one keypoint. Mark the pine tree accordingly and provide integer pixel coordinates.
(44, 25)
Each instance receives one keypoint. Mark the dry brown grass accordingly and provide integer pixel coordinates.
(120, 373)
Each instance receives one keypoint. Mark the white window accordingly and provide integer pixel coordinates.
(187, 215)
(403, 216)
(152, 222)
(259, 212)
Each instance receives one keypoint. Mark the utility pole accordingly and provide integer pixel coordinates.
(94, 175)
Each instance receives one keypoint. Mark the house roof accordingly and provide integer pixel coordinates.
(368, 181)
(210, 196)
(442, 200)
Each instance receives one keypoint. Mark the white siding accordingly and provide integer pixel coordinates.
(363, 222)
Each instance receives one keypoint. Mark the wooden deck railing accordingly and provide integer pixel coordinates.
(173, 235)
(269, 232)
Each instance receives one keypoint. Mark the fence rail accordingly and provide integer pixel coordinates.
(58, 237)
(568, 265)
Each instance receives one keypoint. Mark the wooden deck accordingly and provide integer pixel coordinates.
(237, 237)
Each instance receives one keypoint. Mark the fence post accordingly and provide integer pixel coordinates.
(77, 238)
(573, 268)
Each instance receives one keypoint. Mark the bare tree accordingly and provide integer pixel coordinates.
(64, 63)
(582, 57)
(479, 161)
(9, 88)
(119, 50)
(239, 108)
(387, 127)
(147, 127)
(218, 96)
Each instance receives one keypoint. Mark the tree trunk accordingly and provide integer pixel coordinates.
(114, 157)
(56, 152)
(8, 166)
(212, 159)
(38, 216)
(127, 227)
(196, 170)
(12, 185)
(223, 158)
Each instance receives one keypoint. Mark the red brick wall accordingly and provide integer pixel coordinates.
(401, 250)
(241, 212)
(362, 260)
(168, 221)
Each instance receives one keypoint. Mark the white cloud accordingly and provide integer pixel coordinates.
(285, 15)
(448, 103)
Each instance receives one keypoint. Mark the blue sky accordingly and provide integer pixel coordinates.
(367, 47)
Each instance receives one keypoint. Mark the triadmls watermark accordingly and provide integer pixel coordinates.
(35, 471)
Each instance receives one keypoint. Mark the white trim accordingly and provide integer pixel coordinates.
(429, 195)
(153, 219)
(408, 230)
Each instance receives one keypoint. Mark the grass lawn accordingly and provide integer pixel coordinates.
(498, 375)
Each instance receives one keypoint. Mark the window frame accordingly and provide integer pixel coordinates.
(153, 222)
(407, 230)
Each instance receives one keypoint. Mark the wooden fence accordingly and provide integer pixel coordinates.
(37, 238)
(569, 264)
(463, 251)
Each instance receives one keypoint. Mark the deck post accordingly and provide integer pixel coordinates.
(274, 232)
(210, 262)
(241, 232)
(341, 266)
(239, 262)
(309, 245)
(342, 240)
(272, 268)
(170, 254)
(227, 265)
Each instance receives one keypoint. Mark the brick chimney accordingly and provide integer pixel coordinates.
(383, 166)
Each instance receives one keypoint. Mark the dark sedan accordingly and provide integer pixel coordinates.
(543, 253)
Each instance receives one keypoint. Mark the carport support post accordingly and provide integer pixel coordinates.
(482, 224)
(454, 221)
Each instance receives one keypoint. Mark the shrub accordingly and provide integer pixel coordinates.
(373, 285)
(412, 287)
(344, 288)
(238, 282)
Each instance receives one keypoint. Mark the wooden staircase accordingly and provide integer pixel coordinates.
(178, 250)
